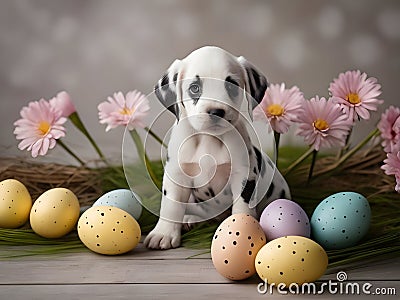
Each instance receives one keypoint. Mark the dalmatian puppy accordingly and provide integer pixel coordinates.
(212, 164)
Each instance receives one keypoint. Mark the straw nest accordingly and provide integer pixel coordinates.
(360, 173)
(40, 177)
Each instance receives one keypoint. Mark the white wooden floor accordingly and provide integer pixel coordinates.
(144, 274)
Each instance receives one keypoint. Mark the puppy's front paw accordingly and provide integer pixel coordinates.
(189, 221)
(165, 235)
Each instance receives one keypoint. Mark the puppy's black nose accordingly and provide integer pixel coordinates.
(217, 112)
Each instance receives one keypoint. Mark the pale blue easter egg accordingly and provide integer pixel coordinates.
(124, 199)
(341, 220)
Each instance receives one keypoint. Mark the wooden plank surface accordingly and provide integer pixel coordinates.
(92, 269)
(143, 274)
(109, 271)
(164, 291)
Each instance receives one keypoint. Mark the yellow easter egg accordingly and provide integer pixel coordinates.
(108, 230)
(15, 204)
(291, 259)
(55, 213)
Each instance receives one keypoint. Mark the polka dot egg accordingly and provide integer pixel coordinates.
(55, 213)
(235, 245)
(15, 204)
(124, 199)
(283, 217)
(108, 230)
(291, 259)
(341, 220)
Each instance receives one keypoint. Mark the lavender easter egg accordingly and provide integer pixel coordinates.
(284, 217)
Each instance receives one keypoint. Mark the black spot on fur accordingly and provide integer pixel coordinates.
(175, 78)
(198, 199)
(252, 87)
(232, 87)
(158, 94)
(270, 190)
(248, 190)
(256, 77)
(168, 99)
(165, 82)
(259, 158)
(174, 109)
(211, 191)
(165, 192)
(258, 84)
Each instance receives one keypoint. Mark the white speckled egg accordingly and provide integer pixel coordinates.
(123, 199)
(235, 245)
(55, 213)
(15, 204)
(108, 230)
(341, 220)
(283, 217)
(291, 259)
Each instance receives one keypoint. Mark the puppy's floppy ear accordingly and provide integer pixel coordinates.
(255, 82)
(167, 88)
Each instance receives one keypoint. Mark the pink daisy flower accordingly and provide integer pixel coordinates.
(322, 123)
(280, 106)
(63, 103)
(389, 126)
(392, 166)
(128, 111)
(356, 94)
(39, 127)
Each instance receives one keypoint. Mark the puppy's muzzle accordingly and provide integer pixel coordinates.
(216, 114)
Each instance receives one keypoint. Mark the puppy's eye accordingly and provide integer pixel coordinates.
(194, 89)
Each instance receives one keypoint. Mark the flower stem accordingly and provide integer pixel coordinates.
(350, 153)
(346, 146)
(277, 137)
(143, 157)
(66, 148)
(155, 136)
(314, 158)
(298, 161)
(76, 120)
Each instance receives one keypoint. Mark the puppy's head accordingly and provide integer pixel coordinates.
(209, 88)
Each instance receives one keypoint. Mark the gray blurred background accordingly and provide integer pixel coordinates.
(94, 48)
